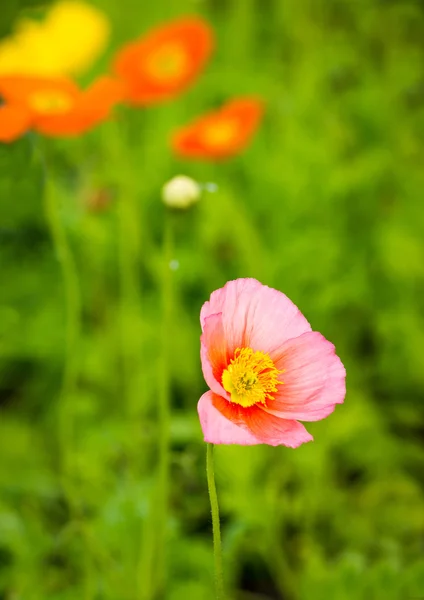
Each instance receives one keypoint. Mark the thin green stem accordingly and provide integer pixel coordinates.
(164, 399)
(152, 567)
(72, 299)
(145, 567)
(73, 312)
(131, 333)
(217, 550)
(129, 219)
(129, 310)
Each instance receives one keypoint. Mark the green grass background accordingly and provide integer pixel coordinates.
(326, 205)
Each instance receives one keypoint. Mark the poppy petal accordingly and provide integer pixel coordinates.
(213, 353)
(275, 431)
(218, 429)
(49, 48)
(103, 94)
(65, 23)
(266, 428)
(314, 378)
(20, 89)
(255, 315)
(14, 122)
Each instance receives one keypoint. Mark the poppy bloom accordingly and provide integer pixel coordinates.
(14, 122)
(265, 368)
(57, 107)
(165, 62)
(222, 133)
(48, 48)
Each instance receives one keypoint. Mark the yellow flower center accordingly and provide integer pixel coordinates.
(220, 133)
(168, 63)
(51, 102)
(251, 377)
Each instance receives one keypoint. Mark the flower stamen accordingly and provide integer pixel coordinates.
(50, 102)
(251, 377)
(220, 133)
(168, 63)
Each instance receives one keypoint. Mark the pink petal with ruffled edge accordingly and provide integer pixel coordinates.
(274, 431)
(254, 315)
(244, 313)
(214, 353)
(217, 429)
(223, 422)
(314, 379)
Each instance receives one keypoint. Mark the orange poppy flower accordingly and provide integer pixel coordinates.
(57, 107)
(165, 62)
(14, 122)
(222, 133)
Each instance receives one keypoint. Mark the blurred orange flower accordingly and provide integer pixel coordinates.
(56, 106)
(165, 62)
(14, 122)
(222, 133)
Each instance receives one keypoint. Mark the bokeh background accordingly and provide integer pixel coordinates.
(326, 204)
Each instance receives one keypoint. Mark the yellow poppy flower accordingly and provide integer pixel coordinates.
(67, 42)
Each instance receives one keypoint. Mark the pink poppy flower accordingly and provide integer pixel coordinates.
(265, 368)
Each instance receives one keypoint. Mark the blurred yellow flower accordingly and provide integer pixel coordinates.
(67, 42)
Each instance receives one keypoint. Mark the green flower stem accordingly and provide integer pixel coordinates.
(72, 297)
(145, 567)
(131, 330)
(217, 550)
(122, 173)
(131, 341)
(73, 319)
(129, 308)
(164, 397)
(73, 307)
(152, 565)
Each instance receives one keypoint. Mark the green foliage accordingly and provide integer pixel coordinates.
(12, 9)
(325, 205)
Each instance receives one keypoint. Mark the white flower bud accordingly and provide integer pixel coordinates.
(181, 192)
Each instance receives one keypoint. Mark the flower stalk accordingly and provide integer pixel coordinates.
(216, 529)
(73, 313)
(164, 398)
